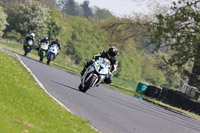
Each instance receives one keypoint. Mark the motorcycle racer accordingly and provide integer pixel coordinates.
(28, 43)
(30, 37)
(111, 55)
(44, 40)
(57, 42)
(53, 50)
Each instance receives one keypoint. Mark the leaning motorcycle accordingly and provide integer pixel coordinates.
(27, 47)
(52, 53)
(43, 50)
(95, 74)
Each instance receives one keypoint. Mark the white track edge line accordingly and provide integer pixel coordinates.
(41, 85)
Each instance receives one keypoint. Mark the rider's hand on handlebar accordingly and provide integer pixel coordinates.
(110, 74)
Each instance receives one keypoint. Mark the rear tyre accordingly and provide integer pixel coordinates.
(88, 84)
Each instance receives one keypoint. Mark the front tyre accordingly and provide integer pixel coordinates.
(50, 58)
(80, 87)
(88, 84)
(26, 50)
(41, 56)
(25, 53)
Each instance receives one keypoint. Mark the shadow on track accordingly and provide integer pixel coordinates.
(76, 89)
(66, 86)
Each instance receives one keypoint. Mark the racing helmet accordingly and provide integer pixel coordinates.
(32, 35)
(112, 51)
(58, 40)
(46, 38)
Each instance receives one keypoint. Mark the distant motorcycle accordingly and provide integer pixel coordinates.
(52, 53)
(95, 74)
(28, 47)
(43, 50)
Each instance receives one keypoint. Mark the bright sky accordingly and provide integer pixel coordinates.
(126, 7)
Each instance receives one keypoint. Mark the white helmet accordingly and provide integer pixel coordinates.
(46, 38)
(32, 35)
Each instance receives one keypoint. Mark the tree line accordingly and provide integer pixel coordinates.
(157, 49)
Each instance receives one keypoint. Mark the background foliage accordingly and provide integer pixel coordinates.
(179, 31)
(3, 21)
(85, 31)
(29, 16)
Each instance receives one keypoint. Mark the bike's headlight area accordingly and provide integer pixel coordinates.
(100, 68)
(97, 66)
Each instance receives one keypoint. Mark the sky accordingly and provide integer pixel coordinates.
(126, 7)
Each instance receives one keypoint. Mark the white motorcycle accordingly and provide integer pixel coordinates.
(95, 74)
(52, 53)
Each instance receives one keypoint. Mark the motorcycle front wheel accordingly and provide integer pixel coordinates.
(88, 84)
(27, 49)
(41, 56)
(50, 58)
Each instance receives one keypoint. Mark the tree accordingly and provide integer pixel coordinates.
(86, 40)
(70, 7)
(130, 66)
(53, 27)
(121, 30)
(48, 3)
(180, 31)
(3, 2)
(13, 35)
(101, 14)
(29, 16)
(87, 10)
(3, 21)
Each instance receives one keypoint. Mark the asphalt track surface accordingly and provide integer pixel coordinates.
(107, 110)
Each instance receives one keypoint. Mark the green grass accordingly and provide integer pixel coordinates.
(25, 107)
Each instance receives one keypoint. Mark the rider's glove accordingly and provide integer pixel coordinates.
(110, 74)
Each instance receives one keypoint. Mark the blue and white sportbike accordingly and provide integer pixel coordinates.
(52, 53)
(95, 74)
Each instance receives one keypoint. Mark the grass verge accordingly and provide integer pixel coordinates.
(25, 107)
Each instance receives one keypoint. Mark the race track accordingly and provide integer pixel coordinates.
(107, 110)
